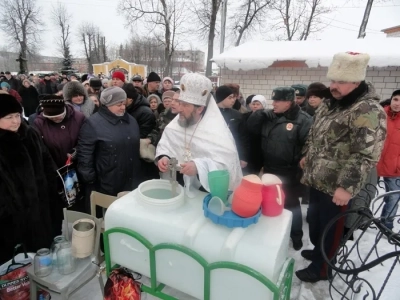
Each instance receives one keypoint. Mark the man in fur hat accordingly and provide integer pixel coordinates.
(343, 146)
(300, 90)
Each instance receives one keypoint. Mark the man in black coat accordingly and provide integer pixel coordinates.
(108, 146)
(225, 99)
(284, 131)
(13, 82)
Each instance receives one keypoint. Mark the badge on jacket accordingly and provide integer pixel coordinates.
(289, 126)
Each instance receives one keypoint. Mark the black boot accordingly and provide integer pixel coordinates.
(308, 254)
(297, 244)
(308, 275)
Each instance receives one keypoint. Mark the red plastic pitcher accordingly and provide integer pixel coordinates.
(273, 197)
(247, 197)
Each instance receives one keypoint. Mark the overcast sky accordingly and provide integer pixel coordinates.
(343, 22)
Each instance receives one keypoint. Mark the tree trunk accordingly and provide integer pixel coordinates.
(211, 36)
(363, 27)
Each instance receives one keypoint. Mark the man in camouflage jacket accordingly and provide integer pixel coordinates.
(344, 144)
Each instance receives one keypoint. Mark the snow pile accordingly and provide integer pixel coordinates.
(257, 55)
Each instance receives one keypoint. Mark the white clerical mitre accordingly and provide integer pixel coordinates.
(208, 143)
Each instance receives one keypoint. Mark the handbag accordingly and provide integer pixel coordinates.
(70, 190)
(122, 285)
(14, 280)
(147, 151)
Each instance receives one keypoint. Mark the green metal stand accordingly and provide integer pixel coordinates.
(281, 290)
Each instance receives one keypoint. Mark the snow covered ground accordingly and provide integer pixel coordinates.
(306, 291)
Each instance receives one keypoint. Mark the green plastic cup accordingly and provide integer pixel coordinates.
(219, 184)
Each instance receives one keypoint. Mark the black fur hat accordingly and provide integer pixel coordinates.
(9, 105)
(317, 89)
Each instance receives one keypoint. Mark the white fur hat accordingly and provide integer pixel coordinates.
(195, 89)
(348, 66)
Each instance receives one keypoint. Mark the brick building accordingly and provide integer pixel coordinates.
(259, 67)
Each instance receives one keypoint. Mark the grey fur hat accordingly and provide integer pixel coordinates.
(74, 88)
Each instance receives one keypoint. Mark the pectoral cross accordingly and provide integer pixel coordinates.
(187, 156)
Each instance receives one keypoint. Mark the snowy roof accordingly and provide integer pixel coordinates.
(262, 54)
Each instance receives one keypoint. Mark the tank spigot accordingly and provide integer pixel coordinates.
(173, 167)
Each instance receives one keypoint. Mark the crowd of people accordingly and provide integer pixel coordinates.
(322, 141)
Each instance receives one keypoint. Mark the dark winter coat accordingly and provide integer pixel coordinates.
(282, 139)
(60, 138)
(233, 119)
(47, 87)
(30, 99)
(141, 111)
(254, 158)
(108, 152)
(27, 182)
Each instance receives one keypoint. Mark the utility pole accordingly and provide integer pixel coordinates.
(363, 27)
(224, 6)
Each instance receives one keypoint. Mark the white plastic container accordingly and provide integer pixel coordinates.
(263, 246)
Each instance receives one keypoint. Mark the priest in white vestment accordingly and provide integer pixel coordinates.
(198, 137)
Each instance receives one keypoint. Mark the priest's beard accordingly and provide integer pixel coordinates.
(186, 122)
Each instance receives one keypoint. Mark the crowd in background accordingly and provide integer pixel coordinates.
(103, 123)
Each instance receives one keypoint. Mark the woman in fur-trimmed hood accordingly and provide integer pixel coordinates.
(75, 94)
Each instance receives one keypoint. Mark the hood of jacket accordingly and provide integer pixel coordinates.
(140, 101)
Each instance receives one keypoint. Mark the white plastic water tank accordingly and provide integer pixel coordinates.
(262, 247)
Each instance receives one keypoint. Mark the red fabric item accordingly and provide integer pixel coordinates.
(15, 94)
(119, 75)
(389, 163)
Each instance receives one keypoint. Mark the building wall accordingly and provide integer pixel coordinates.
(385, 80)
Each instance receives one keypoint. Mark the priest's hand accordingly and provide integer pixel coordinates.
(163, 164)
(341, 197)
(189, 169)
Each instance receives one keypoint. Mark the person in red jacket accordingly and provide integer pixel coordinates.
(389, 163)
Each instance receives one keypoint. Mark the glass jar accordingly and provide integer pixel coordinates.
(42, 262)
(65, 258)
(55, 246)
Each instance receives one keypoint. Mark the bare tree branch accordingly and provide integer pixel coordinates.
(247, 15)
(167, 18)
(20, 21)
(299, 18)
(62, 19)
